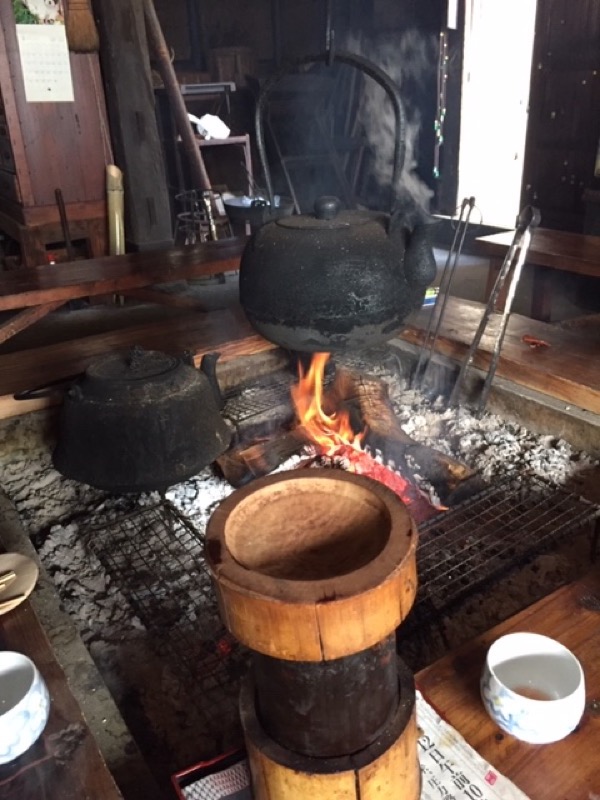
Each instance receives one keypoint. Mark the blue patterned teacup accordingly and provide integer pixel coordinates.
(533, 687)
(24, 705)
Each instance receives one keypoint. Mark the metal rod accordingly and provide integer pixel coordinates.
(510, 296)
(64, 223)
(446, 279)
(529, 218)
(167, 73)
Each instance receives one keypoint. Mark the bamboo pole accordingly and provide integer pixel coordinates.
(165, 67)
(115, 203)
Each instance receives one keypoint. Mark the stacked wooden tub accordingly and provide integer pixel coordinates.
(314, 570)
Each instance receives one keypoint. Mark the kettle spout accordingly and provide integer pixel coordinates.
(208, 366)
(419, 261)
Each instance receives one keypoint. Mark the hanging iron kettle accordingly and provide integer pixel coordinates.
(337, 279)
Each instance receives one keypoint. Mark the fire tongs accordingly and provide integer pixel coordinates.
(439, 307)
(529, 218)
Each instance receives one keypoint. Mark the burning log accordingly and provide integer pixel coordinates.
(328, 423)
(247, 461)
(368, 402)
(239, 465)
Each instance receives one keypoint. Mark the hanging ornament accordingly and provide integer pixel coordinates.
(440, 117)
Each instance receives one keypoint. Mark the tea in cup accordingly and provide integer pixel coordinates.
(533, 687)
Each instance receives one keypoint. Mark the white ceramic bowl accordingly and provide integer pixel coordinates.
(533, 687)
(24, 705)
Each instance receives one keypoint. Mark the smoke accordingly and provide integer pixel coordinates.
(410, 60)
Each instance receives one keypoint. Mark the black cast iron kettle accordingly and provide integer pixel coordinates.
(141, 421)
(338, 279)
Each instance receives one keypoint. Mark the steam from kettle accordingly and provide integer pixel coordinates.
(410, 56)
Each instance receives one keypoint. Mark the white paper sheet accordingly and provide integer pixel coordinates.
(45, 63)
(451, 768)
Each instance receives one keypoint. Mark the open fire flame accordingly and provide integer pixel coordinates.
(332, 434)
(329, 431)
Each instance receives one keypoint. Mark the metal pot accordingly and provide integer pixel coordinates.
(338, 279)
(141, 421)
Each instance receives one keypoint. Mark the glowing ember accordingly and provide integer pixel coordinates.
(327, 430)
(333, 437)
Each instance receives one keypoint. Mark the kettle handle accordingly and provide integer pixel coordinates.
(362, 64)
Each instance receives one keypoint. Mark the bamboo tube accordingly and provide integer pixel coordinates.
(385, 769)
(312, 567)
(115, 203)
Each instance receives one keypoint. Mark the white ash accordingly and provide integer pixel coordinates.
(489, 445)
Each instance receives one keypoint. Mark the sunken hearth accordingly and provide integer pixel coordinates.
(131, 573)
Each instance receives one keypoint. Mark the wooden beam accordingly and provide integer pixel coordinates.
(26, 318)
(111, 274)
(180, 113)
(226, 331)
(130, 101)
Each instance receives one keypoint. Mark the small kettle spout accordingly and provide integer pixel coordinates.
(412, 228)
(208, 366)
(419, 261)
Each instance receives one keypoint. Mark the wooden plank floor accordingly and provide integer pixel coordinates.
(568, 369)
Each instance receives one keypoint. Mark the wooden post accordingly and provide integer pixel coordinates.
(200, 177)
(130, 101)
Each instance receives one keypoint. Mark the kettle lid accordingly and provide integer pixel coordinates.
(328, 215)
(136, 365)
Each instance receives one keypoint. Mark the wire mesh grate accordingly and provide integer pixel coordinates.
(493, 532)
(243, 405)
(154, 556)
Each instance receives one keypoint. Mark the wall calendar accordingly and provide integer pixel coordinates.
(44, 51)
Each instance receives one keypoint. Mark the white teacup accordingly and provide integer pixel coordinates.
(24, 705)
(533, 687)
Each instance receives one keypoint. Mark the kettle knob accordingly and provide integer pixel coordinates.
(327, 207)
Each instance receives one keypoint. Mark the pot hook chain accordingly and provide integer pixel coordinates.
(329, 34)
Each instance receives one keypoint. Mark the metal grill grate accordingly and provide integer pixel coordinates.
(255, 400)
(491, 533)
(154, 556)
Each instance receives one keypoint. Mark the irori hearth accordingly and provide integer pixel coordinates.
(128, 569)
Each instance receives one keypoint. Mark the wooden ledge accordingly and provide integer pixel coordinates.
(566, 369)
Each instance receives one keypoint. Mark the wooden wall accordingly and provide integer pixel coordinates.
(564, 116)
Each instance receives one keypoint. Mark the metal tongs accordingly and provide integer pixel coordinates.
(439, 307)
(528, 220)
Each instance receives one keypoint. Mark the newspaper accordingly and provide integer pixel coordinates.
(450, 768)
